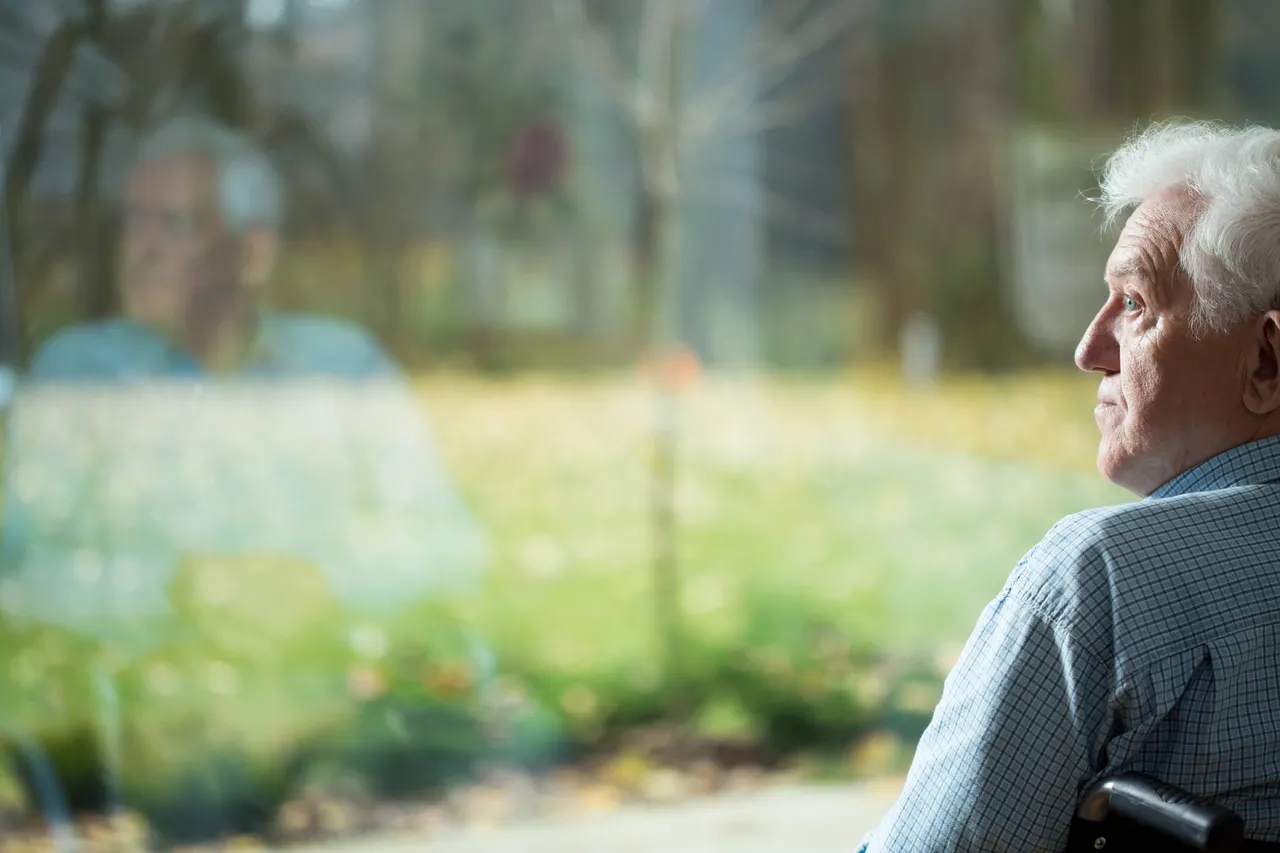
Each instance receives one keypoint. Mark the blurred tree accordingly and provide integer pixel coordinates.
(888, 147)
(93, 219)
(96, 79)
(933, 102)
(488, 77)
(685, 109)
(460, 106)
(675, 119)
(1092, 60)
(48, 51)
(939, 91)
(423, 118)
(1159, 57)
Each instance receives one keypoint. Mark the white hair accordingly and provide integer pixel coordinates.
(1232, 252)
(250, 192)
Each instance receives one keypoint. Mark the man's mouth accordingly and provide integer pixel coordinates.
(1105, 399)
(1106, 413)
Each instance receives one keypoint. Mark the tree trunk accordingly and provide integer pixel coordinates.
(888, 168)
(663, 176)
(644, 267)
(46, 86)
(1160, 56)
(96, 285)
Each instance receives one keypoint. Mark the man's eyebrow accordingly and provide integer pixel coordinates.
(1131, 268)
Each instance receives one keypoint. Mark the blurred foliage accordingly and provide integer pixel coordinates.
(823, 523)
(496, 93)
(234, 604)
(487, 90)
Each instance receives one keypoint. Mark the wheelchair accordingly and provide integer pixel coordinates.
(1133, 812)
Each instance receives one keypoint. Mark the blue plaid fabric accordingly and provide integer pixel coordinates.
(1140, 637)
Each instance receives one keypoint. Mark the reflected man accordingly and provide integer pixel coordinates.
(202, 425)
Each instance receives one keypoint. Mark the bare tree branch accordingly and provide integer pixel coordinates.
(785, 50)
(156, 74)
(656, 24)
(775, 60)
(536, 53)
(47, 79)
(741, 84)
(777, 207)
(628, 92)
(784, 15)
(776, 112)
(94, 246)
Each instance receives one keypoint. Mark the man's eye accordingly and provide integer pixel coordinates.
(1131, 304)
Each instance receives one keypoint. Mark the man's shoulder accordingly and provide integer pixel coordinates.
(312, 342)
(1065, 571)
(92, 350)
(1145, 563)
(1154, 532)
(1100, 529)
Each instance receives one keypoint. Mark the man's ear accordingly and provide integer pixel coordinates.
(259, 248)
(1262, 384)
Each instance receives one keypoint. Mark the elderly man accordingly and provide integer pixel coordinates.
(201, 429)
(202, 210)
(206, 467)
(1141, 637)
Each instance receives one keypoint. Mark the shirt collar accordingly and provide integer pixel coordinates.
(262, 351)
(1249, 464)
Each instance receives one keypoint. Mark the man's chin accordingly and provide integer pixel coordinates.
(1124, 470)
(1106, 466)
(149, 313)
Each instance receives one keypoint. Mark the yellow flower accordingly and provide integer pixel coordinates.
(365, 683)
(450, 680)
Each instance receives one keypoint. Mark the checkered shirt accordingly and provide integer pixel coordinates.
(1140, 637)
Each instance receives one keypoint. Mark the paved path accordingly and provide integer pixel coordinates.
(815, 819)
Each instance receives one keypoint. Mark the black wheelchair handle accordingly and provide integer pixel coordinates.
(1192, 820)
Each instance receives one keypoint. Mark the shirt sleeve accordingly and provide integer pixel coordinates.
(1010, 744)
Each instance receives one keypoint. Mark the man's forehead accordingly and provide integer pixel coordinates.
(1148, 247)
(1133, 258)
(1128, 263)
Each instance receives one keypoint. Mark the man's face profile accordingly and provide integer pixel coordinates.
(175, 241)
(1169, 398)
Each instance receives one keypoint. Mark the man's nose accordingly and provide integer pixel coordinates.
(143, 244)
(1099, 350)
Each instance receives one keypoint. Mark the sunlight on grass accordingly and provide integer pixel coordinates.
(899, 512)
(909, 507)
(825, 524)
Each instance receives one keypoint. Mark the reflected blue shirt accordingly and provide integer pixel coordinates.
(288, 345)
(1136, 637)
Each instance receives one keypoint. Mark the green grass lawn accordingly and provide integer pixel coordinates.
(839, 491)
(825, 524)
(894, 515)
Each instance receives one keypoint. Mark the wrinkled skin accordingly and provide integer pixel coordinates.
(1169, 398)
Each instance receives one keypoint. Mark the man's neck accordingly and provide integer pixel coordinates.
(1141, 485)
(224, 344)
